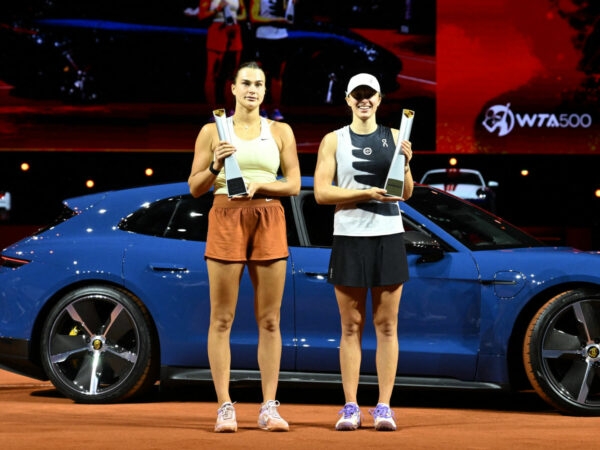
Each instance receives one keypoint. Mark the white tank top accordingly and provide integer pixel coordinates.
(363, 161)
(258, 158)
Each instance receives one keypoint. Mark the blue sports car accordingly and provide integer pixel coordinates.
(113, 297)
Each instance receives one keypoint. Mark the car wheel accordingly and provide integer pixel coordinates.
(97, 346)
(562, 352)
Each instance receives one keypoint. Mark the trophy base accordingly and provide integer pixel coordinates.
(236, 186)
(395, 187)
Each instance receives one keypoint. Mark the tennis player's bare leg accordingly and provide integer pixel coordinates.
(223, 300)
(268, 279)
(351, 303)
(386, 303)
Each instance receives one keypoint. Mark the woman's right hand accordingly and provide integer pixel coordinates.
(380, 195)
(222, 151)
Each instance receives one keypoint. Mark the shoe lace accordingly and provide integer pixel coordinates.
(348, 410)
(382, 411)
(271, 408)
(226, 411)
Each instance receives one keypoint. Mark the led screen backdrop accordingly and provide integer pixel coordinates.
(484, 77)
(518, 76)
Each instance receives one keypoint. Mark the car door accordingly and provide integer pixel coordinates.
(439, 318)
(439, 312)
(316, 313)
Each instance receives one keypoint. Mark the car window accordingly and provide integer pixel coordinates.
(180, 217)
(185, 217)
(63, 215)
(319, 221)
(189, 220)
(472, 226)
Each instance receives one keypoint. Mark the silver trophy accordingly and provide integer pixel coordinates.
(233, 175)
(394, 183)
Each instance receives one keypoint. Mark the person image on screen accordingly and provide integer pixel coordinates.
(223, 44)
(368, 253)
(271, 22)
(247, 231)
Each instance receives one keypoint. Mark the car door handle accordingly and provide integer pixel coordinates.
(499, 282)
(166, 267)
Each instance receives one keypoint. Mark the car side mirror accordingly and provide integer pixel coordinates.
(419, 243)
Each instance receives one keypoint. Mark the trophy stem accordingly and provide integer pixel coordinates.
(394, 184)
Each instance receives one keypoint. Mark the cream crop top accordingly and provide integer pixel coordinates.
(258, 158)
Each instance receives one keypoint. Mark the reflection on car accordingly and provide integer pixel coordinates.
(113, 295)
(5, 200)
(467, 184)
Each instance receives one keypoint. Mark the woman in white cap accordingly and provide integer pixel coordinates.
(368, 249)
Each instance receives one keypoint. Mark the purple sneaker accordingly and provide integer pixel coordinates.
(384, 418)
(350, 419)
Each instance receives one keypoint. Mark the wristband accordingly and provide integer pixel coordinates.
(213, 170)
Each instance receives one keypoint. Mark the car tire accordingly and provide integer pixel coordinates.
(98, 346)
(561, 352)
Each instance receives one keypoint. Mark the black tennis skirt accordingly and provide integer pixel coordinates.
(368, 261)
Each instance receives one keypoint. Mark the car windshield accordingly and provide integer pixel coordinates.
(452, 177)
(472, 226)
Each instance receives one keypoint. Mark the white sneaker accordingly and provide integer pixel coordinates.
(384, 418)
(269, 418)
(350, 419)
(226, 421)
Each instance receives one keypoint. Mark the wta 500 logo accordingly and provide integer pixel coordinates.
(500, 119)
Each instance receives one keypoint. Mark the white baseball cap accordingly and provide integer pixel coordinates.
(363, 79)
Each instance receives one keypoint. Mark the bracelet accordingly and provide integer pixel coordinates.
(406, 168)
(213, 170)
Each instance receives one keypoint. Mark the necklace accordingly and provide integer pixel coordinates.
(244, 126)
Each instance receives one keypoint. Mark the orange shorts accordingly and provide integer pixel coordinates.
(246, 230)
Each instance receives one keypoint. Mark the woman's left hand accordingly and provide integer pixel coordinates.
(407, 150)
(251, 189)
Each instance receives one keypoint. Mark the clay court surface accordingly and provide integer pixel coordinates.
(33, 415)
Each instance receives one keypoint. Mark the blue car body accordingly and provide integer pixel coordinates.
(464, 316)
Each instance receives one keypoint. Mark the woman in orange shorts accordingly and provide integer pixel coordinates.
(247, 231)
